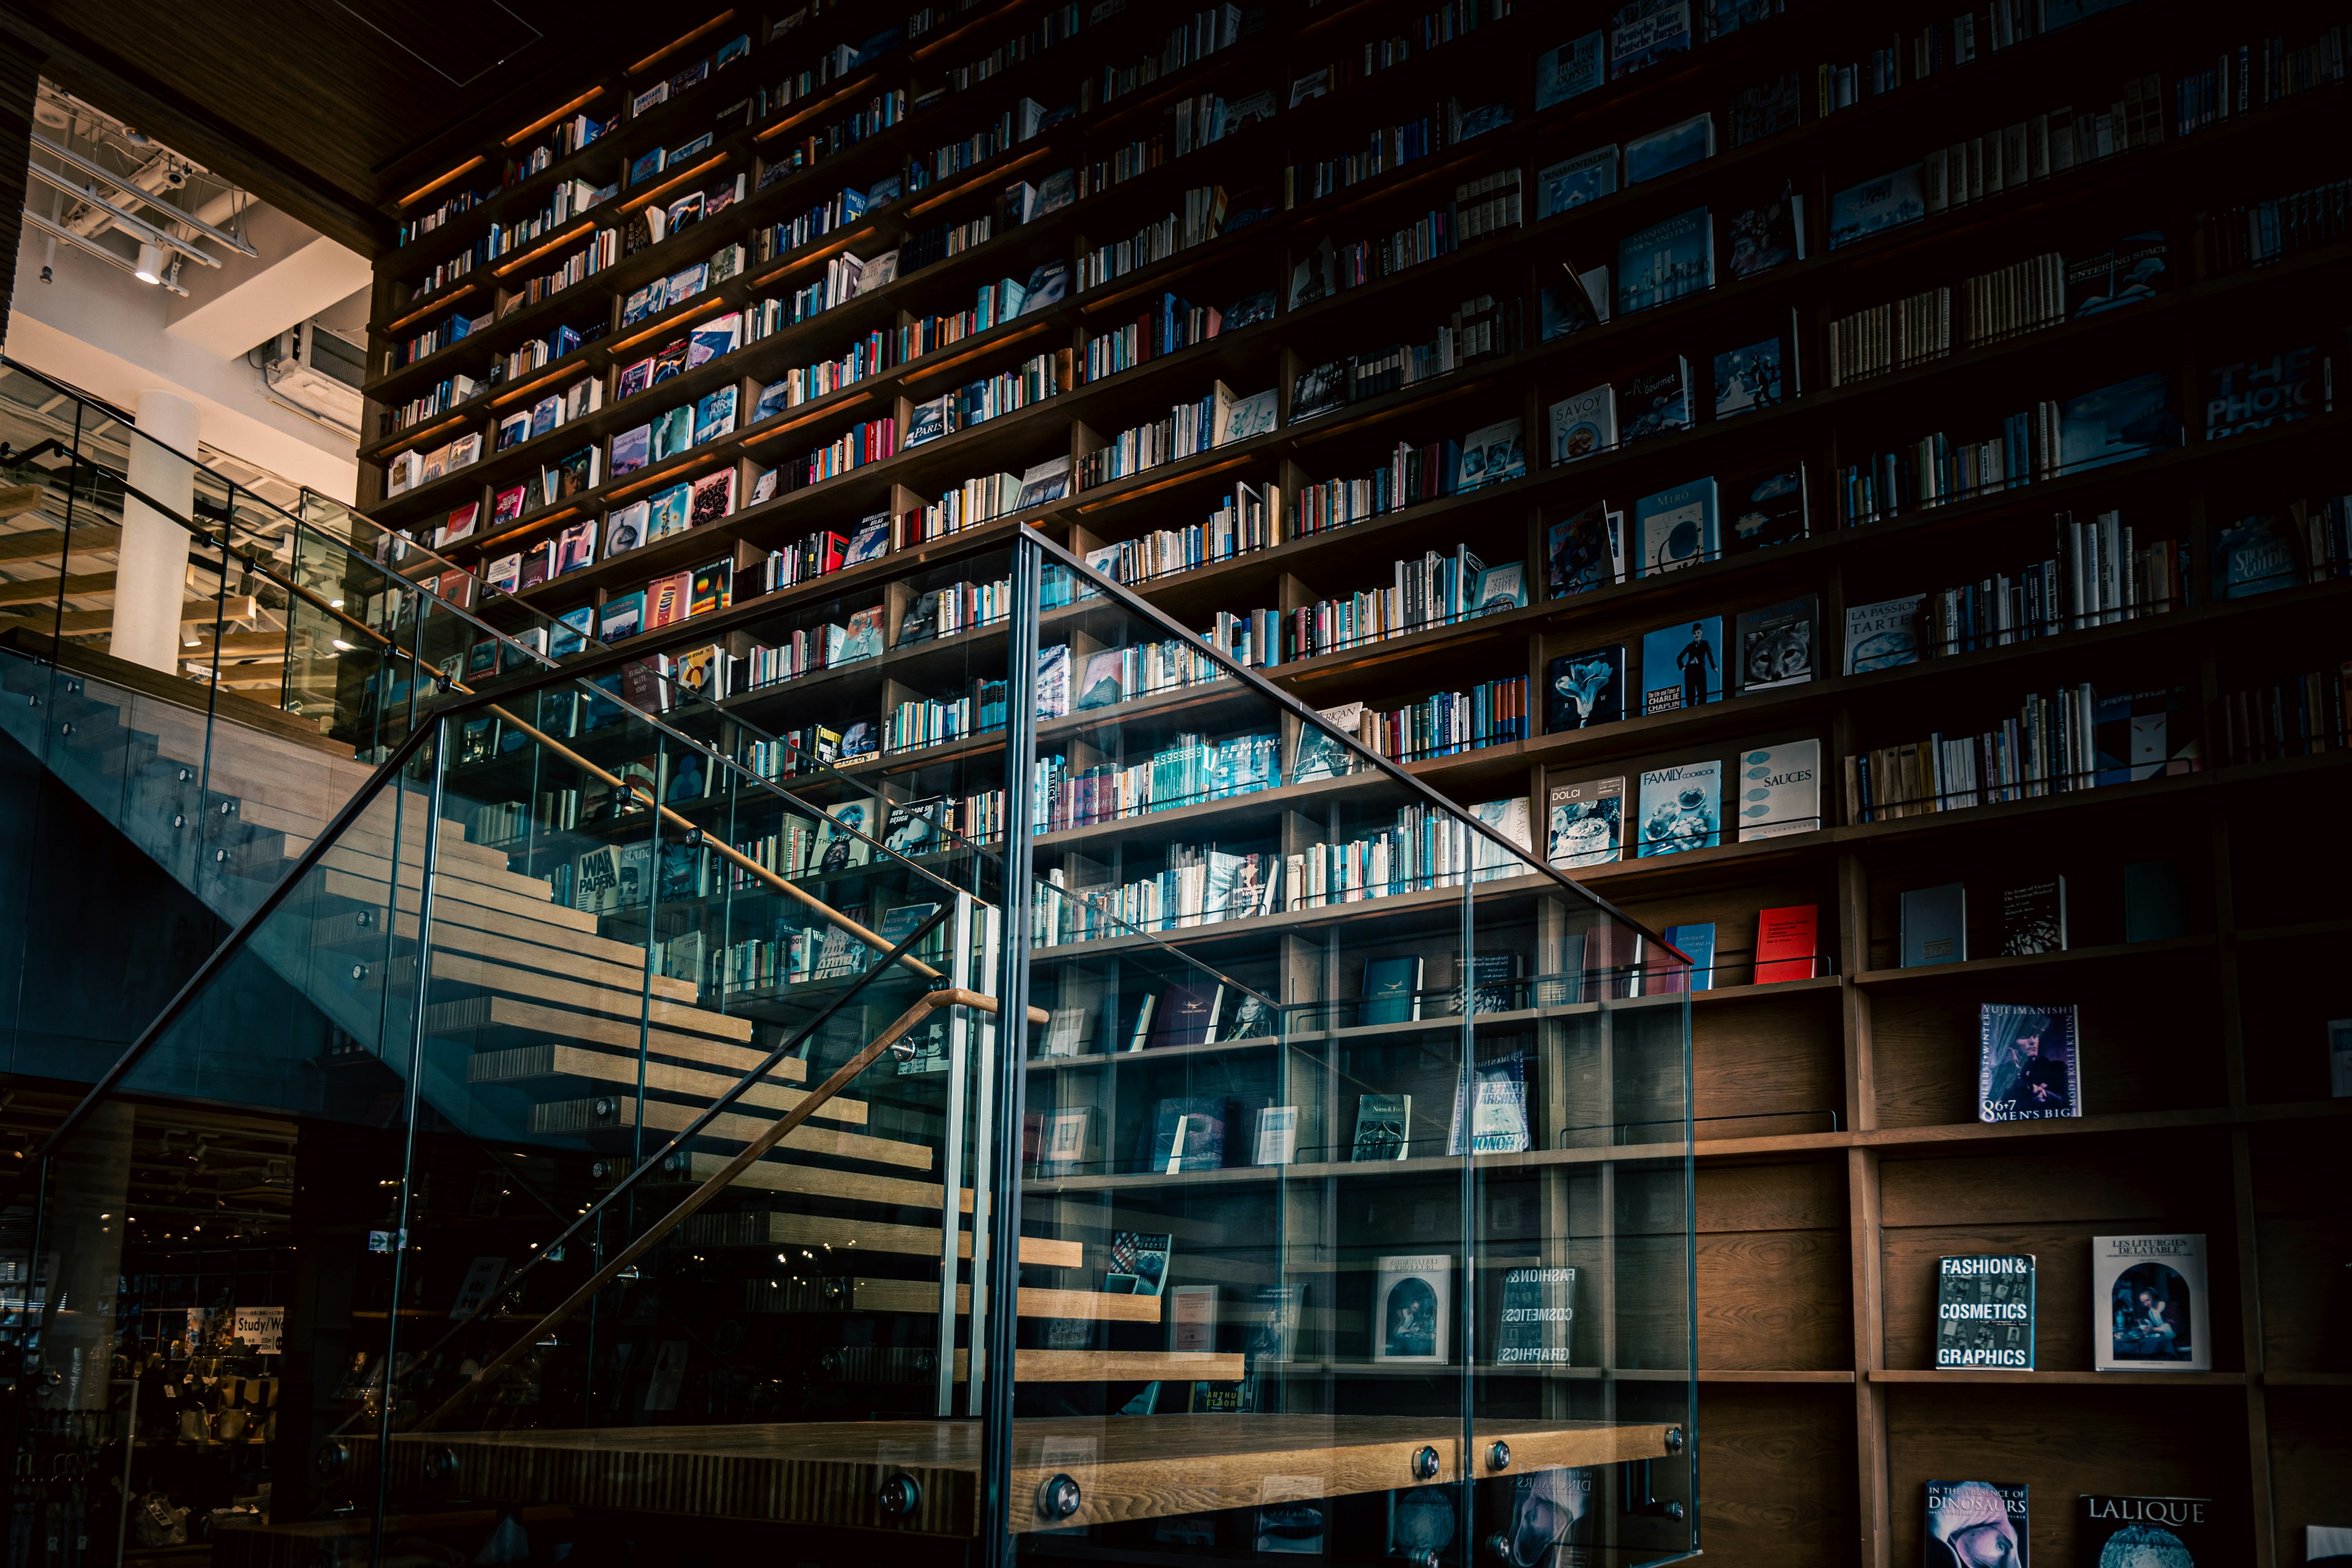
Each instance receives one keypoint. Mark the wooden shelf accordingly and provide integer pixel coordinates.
(2061, 1379)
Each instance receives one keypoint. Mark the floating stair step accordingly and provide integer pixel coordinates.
(1036, 1302)
(537, 1064)
(623, 999)
(785, 1230)
(523, 965)
(774, 1175)
(616, 1113)
(479, 1013)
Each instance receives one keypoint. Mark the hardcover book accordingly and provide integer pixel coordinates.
(1763, 237)
(1696, 942)
(1647, 32)
(1319, 390)
(2033, 917)
(1490, 1107)
(1676, 146)
(2250, 395)
(1655, 401)
(2149, 1311)
(2152, 902)
(1274, 1320)
(1277, 1142)
(2137, 268)
(1139, 1263)
(1583, 424)
(1412, 1309)
(1775, 644)
(1935, 925)
(1884, 635)
(1780, 790)
(1974, 1523)
(1787, 943)
(1676, 528)
(1384, 1127)
(1573, 301)
(1665, 261)
(1984, 1312)
(1766, 109)
(1764, 507)
(1536, 1321)
(1584, 690)
(1878, 204)
(1681, 808)
(2159, 1532)
(2116, 424)
(1192, 1320)
(2339, 1058)
(1576, 66)
(1682, 666)
(1184, 1133)
(2029, 1064)
(1584, 823)
(1492, 455)
(1573, 182)
(1391, 990)
(1586, 550)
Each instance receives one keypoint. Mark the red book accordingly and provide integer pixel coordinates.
(1787, 940)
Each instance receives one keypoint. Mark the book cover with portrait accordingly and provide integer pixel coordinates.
(2148, 1305)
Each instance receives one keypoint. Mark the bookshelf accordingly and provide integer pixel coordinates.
(1838, 1152)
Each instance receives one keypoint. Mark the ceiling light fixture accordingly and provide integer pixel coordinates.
(151, 264)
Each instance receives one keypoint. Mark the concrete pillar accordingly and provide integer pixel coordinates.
(150, 582)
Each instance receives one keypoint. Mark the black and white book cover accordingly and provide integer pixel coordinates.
(2029, 1064)
(1538, 1317)
(2149, 1307)
(2033, 917)
(1984, 1312)
(1413, 1309)
(2129, 1531)
(1775, 644)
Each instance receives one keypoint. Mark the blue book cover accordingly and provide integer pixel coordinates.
(572, 629)
(1935, 925)
(1677, 146)
(1681, 808)
(1645, 32)
(2255, 556)
(1665, 261)
(1682, 665)
(1390, 991)
(1676, 528)
(2028, 1069)
(1573, 182)
(1697, 945)
(1654, 400)
(2135, 269)
(1585, 552)
(1884, 635)
(1764, 507)
(1746, 379)
(1883, 202)
(2248, 395)
(2117, 422)
(1583, 690)
(1577, 66)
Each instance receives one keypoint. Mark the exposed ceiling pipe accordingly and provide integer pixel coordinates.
(138, 228)
(148, 178)
(88, 166)
(59, 231)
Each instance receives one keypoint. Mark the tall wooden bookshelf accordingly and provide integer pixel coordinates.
(1839, 1151)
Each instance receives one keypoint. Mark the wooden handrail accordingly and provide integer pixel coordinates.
(695, 1201)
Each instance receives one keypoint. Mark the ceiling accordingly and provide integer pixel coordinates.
(325, 108)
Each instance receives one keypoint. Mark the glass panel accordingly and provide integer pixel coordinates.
(1372, 1108)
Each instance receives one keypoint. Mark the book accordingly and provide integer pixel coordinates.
(714, 416)
(1319, 390)
(1697, 945)
(2137, 268)
(1584, 690)
(1573, 300)
(672, 433)
(1680, 808)
(2256, 555)
(1584, 823)
(1973, 1522)
(1884, 635)
(1490, 1107)
(1247, 417)
(1042, 482)
(621, 616)
(2152, 909)
(2029, 1063)
(1984, 1312)
(2169, 1532)
(1192, 1320)
(1412, 1309)
(2033, 917)
(1186, 1013)
(2149, 1306)
(1749, 378)
(1185, 1132)
(625, 528)
(1384, 1127)
(2339, 1058)
(1764, 109)
(1576, 66)
(871, 541)
(1069, 1141)
(1774, 645)
(2117, 422)
(1787, 943)
(669, 511)
(1583, 424)
(1573, 182)
(1764, 507)
(1274, 1324)
(1391, 990)
(1880, 202)
(2272, 389)
(1676, 528)
(1320, 754)
(1054, 681)
(1138, 1262)
(1780, 790)
(1935, 925)
(1676, 146)
(1494, 977)
(1499, 588)
(1585, 549)
(1665, 261)
(1765, 236)
(1276, 1141)
(1655, 401)
(1492, 455)
(1682, 666)
(1644, 33)
(1535, 1325)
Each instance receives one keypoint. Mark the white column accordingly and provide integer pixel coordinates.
(152, 580)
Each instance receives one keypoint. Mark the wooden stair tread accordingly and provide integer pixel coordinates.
(1036, 1302)
(774, 1175)
(513, 1013)
(775, 1229)
(534, 946)
(1127, 1467)
(524, 962)
(561, 1116)
(623, 1001)
(553, 1059)
(366, 888)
